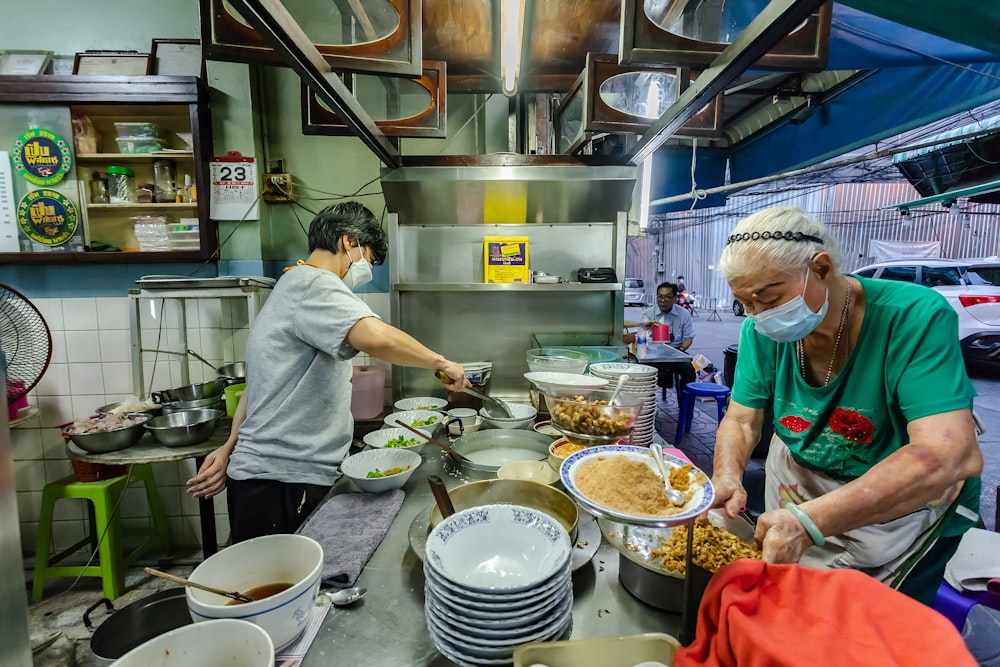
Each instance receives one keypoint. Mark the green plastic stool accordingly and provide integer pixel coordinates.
(105, 530)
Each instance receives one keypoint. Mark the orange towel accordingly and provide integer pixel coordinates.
(759, 615)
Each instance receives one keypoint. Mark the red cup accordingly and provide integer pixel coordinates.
(661, 332)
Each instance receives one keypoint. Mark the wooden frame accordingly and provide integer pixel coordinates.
(430, 123)
(24, 63)
(97, 63)
(180, 53)
(643, 41)
(227, 38)
(598, 116)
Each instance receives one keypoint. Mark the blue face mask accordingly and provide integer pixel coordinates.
(791, 320)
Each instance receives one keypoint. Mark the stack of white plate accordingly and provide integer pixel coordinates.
(497, 576)
(642, 385)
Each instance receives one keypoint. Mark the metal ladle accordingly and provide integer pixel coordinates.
(202, 359)
(347, 596)
(675, 496)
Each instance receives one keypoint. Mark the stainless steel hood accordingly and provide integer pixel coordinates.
(506, 189)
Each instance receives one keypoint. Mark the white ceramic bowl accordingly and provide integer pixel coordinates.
(554, 382)
(477, 424)
(420, 403)
(358, 466)
(218, 643)
(530, 471)
(258, 562)
(498, 547)
(379, 438)
(409, 416)
(524, 415)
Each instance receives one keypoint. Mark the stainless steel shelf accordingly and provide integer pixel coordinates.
(507, 287)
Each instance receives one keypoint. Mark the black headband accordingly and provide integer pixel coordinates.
(776, 236)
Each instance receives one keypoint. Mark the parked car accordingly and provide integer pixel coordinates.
(635, 292)
(972, 288)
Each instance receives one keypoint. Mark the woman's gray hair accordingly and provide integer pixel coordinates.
(783, 237)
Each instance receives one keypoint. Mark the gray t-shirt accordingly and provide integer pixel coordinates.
(299, 424)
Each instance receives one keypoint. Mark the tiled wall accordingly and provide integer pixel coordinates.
(90, 367)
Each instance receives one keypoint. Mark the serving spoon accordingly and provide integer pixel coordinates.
(346, 596)
(675, 496)
(235, 595)
(622, 379)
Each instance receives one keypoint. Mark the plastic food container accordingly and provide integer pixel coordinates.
(183, 236)
(139, 144)
(151, 233)
(139, 129)
(121, 185)
(650, 648)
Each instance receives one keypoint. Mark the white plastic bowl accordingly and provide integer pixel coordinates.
(357, 467)
(524, 415)
(556, 360)
(420, 403)
(498, 547)
(218, 643)
(258, 562)
(409, 416)
(378, 438)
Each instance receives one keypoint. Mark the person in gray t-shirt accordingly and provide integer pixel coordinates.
(293, 425)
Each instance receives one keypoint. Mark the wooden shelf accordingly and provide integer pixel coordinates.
(166, 206)
(132, 157)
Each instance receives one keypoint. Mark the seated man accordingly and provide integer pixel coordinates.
(681, 335)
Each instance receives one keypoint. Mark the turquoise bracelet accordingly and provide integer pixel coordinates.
(807, 523)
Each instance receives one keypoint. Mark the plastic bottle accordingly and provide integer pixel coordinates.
(642, 338)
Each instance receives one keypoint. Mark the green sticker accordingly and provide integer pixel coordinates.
(42, 157)
(47, 217)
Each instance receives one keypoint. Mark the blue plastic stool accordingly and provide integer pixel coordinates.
(692, 390)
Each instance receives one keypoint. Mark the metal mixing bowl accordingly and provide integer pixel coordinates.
(236, 371)
(188, 427)
(213, 403)
(192, 392)
(109, 441)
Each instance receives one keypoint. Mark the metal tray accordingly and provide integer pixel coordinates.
(152, 282)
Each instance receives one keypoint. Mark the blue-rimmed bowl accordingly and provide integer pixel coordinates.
(700, 501)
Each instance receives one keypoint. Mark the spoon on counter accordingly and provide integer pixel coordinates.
(675, 496)
(235, 595)
(622, 379)
(488, 401)
(346, 596)
(433, 441)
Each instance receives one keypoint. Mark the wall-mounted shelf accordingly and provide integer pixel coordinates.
(132, 157)
(166, 206)
(507, 287)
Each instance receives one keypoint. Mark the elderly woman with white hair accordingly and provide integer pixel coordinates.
(874, 462)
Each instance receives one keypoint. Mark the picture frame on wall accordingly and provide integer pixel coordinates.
(176, 57)
(97, 63)
(24, 63)
(61, 65)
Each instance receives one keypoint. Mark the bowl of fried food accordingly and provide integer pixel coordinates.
(587, 418)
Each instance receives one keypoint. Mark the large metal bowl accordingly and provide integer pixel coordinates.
(109, 441)
(188, 427)
(212, 403)
(234, 372)
(192, 392)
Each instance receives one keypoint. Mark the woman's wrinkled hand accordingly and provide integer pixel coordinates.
(729, 494)
(211, 477)
(781, 537)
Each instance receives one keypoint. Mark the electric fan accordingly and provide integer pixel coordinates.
(25, 344)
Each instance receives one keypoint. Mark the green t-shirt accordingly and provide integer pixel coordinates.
(906, 364)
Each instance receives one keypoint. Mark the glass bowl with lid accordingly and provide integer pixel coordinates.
(586, 418)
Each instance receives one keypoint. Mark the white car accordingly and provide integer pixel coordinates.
(635, 292)
(971, 286)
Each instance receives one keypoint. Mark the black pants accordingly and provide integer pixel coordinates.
(677, 374)
(266, 507)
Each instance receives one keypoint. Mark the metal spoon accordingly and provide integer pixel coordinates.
(675, 496)
(622, 379)
(347, 596)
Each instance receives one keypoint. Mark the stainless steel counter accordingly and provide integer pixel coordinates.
(387, 627)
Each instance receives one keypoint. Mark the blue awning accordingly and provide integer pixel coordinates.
(942, 139)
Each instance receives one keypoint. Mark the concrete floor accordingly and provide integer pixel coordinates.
(57, 621)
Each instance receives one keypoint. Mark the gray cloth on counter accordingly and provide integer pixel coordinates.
(350, 526)
(976, 561)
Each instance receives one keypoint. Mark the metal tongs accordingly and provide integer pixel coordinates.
(675, 496)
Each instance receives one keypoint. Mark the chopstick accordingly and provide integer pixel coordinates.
(432, 440)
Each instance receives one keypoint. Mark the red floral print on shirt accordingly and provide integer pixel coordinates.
(794, 423)
(853, 426)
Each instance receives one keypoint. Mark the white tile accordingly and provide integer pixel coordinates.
(240, 344)
(193, 316)
(67, 533)
(29, 475)
(56, 470)
(85, 404)
(189, 505)
(27, 443)
(112, 313)
(240, 316)
(211, 345)
(79, 314)
(58, 348)
(83, 347)
(133, 503)
(226, 313)
(86, 379)
(170, 496)
(53, 446)
(222, 532)
(186, 469)
(116, 346)
(51, 310)
(117, 377)
(210, 313)
(55, 381)
(379, 303)
(55, 410)
(70, 509)
(29, 537)
(166, 474)
(29, 505)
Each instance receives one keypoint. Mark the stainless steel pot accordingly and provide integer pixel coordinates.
(233, 373)
(135, 624)
(191, 392)
(215, 403)
(494, 439)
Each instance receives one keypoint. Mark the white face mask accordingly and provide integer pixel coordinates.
(792, 320)
(359, 273)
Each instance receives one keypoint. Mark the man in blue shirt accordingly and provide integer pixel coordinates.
(666, 311)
